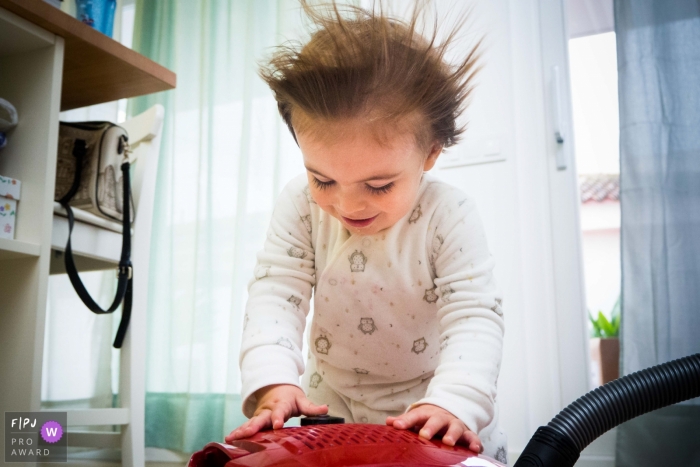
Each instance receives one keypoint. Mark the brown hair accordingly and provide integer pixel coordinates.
(362, 63)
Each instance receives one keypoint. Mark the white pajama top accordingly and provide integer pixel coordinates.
(415, 301)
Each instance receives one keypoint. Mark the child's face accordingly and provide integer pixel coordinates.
(366, 185)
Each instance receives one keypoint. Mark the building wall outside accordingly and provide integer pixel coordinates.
(600, 225)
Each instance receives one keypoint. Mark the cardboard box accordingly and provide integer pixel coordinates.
(9, 187)
(8, 214)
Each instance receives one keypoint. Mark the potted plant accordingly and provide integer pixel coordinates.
(605, 345)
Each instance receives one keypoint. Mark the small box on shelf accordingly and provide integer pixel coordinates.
(8, 214)
(9, 195)
(9, 187)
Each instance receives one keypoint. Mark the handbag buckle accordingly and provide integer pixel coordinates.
(124, 148)
(126, 270)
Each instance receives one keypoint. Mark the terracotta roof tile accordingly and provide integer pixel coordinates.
(599, 187)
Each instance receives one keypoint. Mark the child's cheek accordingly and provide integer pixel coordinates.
(400, 203)
(324, 201)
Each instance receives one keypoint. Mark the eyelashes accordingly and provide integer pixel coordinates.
(380, 190)
(321, 185)
(374, 190)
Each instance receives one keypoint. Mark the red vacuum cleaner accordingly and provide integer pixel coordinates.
(324, 442)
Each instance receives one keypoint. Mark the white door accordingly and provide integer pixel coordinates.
(564, 203)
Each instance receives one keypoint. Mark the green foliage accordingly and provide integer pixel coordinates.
(602, 327)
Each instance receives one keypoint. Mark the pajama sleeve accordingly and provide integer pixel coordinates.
(469, 313)
(278, 299)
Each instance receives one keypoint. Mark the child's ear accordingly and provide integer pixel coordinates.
(435, 151)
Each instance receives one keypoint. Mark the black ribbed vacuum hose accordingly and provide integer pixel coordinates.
(560, 443)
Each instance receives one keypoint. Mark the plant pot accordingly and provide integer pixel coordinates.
(605, 356)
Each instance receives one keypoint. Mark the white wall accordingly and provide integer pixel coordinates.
(495, 187)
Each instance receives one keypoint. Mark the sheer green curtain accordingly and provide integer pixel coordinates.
(225, 156)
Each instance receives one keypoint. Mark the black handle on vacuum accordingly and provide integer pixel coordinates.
(560, 443)
(321, 420)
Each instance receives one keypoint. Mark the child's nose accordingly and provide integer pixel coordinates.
(350, 204)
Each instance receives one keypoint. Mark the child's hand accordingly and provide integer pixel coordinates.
(276, 404)
(435, 420)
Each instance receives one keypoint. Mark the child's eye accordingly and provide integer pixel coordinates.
(380, 190)
(321, 185)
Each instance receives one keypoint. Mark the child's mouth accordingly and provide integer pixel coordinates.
(359, 222)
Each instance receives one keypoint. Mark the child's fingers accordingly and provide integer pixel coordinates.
(257, 423)
(472, 440)
(306, 407)
(433, 425)
(459, 433)
(409, 419)
(280, 414)
(454, 432)
(250, 427)
(233, 435)
(237, 433)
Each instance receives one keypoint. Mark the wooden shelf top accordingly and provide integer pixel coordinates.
(96, 68)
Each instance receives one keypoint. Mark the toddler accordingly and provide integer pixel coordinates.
(407, 327)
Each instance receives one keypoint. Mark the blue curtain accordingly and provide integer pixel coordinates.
(658, 50)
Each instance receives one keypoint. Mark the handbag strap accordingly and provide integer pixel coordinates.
(124, 291)
(79, 152)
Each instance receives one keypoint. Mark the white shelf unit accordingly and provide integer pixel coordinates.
(11, 249)
(51, 62)
(31, 66)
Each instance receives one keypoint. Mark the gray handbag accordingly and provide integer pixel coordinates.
(92, 174)
(100, 190)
